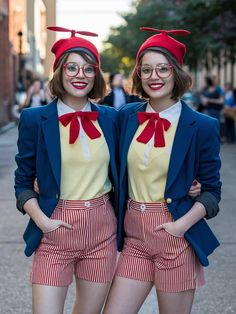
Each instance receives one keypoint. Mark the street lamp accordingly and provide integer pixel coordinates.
(20, 34)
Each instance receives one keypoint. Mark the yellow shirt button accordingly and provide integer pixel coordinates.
(168, 200)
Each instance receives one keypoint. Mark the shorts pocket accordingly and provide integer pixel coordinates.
(173, 235)
(173, 250)
(134, 225)
(58, 236)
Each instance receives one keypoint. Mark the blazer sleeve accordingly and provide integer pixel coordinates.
(210, 203)
(209, 168)
(25, 160)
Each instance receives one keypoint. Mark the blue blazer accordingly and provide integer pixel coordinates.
(195, 155)
(40, 155)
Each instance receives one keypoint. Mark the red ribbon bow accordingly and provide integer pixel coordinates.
(87, 124)
(153, 128)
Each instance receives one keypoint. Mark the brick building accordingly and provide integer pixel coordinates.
(6, 88)
(24, 44)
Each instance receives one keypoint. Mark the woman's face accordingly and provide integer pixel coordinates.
(78, 86)
(158, 89)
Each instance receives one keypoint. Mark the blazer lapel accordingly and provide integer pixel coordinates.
(106, 129)
(127, 134)
(51, 133)
(183, 136)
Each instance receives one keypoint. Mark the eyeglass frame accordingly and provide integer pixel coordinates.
(95, 66)
(139, 74)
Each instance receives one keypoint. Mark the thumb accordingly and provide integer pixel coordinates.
(66, 225)
(160, 227)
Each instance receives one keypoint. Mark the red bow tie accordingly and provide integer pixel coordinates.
(87, 124)
(153, 128)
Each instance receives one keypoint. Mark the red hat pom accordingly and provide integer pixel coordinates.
(165, 31)
(73, 32)
(73, 42)
(164, 40)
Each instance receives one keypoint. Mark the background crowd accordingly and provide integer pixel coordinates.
(213, 99)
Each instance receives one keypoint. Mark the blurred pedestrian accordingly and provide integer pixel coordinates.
(70, 146)
(165, 145)
(35, 95)
(117, 97)
(212, 99)
(46, 91)
(229, 113)
(188, 98)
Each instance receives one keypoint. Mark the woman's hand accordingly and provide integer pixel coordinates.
(174, 228)
(195, 189)
(44, 223)
(180, 226)
(36, 186)
(48, 224)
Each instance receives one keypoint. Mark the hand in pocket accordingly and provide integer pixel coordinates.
(53, 224)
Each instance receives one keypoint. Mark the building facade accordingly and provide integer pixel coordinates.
(6, 90)
(25, 47)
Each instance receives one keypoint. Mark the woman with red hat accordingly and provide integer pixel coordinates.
(164, 146)
(70, 146)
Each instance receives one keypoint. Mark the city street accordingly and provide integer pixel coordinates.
(216, 297)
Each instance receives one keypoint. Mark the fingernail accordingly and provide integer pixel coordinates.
(194, 182)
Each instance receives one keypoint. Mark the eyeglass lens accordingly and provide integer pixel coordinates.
(162, 71)
(72, 69)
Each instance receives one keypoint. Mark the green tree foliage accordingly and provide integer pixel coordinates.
(212, 24)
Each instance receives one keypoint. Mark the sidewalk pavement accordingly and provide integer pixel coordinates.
(7, 127)
(216, 297)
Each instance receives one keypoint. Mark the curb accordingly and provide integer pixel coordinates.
(7, 127)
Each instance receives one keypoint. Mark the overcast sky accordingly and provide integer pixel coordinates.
(91, 15)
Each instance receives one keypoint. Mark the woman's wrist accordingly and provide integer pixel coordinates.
(196, 213)
(34, 211)
(182, 225)
(42, 222)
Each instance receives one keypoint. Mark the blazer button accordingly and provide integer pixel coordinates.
(168, 200)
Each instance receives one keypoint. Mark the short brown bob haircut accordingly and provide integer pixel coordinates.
(182, 80)
(56, 86)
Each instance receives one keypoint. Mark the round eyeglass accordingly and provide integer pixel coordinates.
(162, 70)
(72, 69)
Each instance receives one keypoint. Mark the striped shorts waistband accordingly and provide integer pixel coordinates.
(158, 206)
(83, 204)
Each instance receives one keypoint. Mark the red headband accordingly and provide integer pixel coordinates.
(66, 44)
(163, 40)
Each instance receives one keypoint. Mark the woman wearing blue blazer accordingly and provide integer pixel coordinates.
(164, 146)
(70, 145)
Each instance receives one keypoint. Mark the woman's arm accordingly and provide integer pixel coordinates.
(208, 175)
(25, 175)
(44, 223)
(25, 159)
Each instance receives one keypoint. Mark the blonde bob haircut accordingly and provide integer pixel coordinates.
(182, 80)
(56, 86)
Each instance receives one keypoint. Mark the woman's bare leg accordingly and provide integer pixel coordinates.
(48, 299)
(126, 296)
(173, 303)
(90, 297)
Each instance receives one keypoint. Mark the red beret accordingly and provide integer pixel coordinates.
(72, 43)
(163, 40)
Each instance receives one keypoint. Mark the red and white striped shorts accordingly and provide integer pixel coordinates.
(88, 250)
(157, 256)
